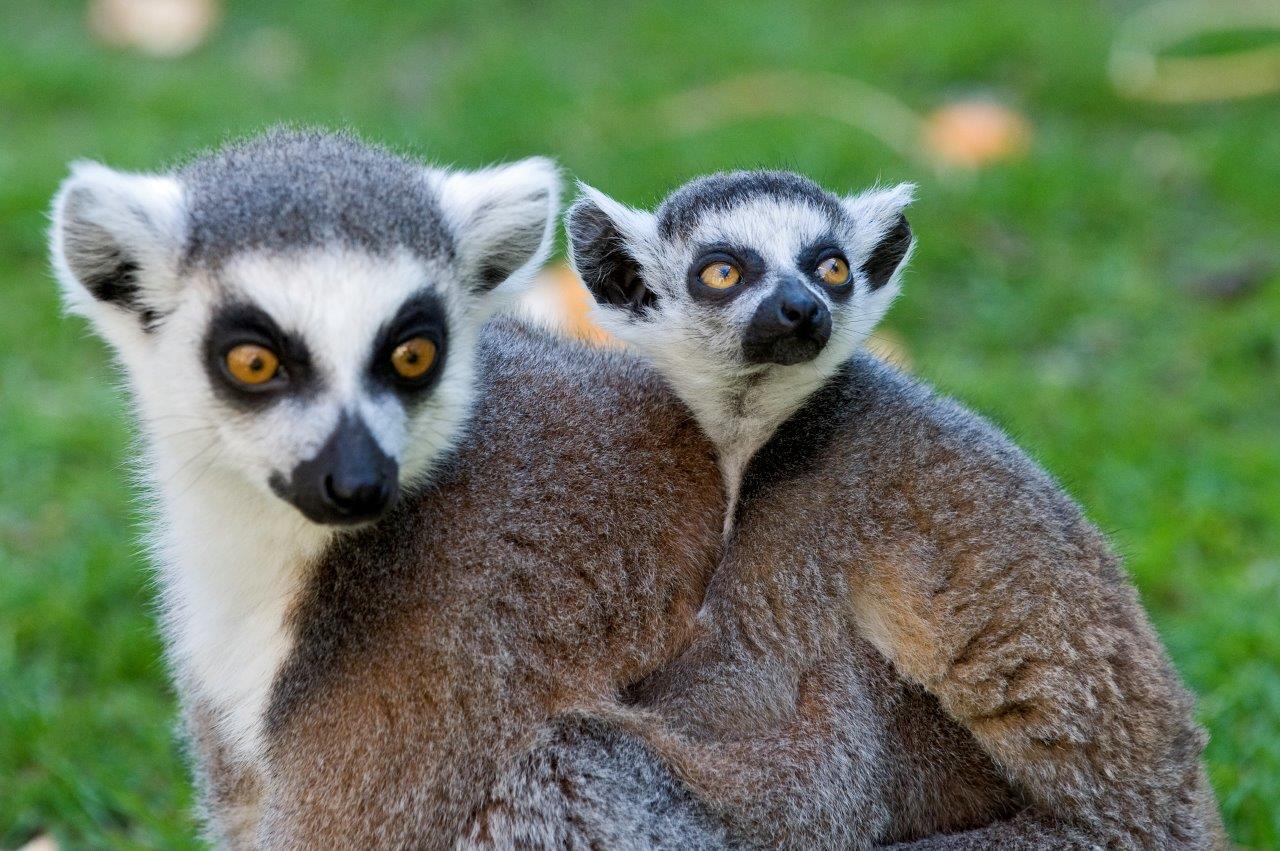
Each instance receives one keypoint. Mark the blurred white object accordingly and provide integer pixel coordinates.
(834, 96)
(958, 137)
(161, 28)
(41, 843)
(1139, 71)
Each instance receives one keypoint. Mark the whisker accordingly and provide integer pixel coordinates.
(184, 431)
(191, 461)
(202, 473)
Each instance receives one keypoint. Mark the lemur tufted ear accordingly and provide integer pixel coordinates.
(503, 218)
(116, 243)
(606, 242)
(881, 227)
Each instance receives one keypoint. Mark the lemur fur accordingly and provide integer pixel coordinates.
(358, 669)
(879, 517)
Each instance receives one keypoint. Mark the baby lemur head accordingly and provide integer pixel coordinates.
(747, 289)
(297, 312)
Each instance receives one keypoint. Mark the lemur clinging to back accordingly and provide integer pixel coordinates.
(873, 520)
(378, 597)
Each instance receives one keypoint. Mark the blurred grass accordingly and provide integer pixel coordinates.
(1069, 295)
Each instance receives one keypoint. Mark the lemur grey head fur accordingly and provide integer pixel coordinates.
(747, 289)
(299, 309)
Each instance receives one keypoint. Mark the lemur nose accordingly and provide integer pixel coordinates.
(358, 496)
(350, 480)
(797, 307)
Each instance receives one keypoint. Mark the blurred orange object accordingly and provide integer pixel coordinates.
(973, 133)
(558, 300)
(161, 28)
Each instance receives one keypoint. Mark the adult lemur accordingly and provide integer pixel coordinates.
(297, 317)
(1026, 698)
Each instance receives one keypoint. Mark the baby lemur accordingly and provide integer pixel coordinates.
(907, 601)
(374, 612)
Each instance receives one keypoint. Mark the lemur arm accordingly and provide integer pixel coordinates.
(1021, 622)
(784, 755)
(230, 790)
(1026, 831)
(585, 784)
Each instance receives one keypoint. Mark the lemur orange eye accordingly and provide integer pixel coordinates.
(720, 275)
(413, 357)
(833, 271)
(252, 364)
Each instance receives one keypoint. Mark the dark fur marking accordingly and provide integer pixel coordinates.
(421, 315)
(887, 256)
(237, 323)
(797, 447)
(116, 283)
(681, 211)
(515, 249)
(606, 266)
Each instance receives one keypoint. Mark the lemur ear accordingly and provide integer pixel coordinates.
(882, 228)
(116, 243)
(503, 218)
(606, 240)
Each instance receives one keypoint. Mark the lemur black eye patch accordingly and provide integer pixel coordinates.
(422, 317)
(747, 263)
(237, 323)
(809, 258)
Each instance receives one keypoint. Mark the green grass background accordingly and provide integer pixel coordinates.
(1057, 293)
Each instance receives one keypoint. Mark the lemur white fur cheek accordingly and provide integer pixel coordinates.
(432, 425)
(171, 389)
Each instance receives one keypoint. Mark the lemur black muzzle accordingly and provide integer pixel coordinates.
(790, 326)
(350, 480)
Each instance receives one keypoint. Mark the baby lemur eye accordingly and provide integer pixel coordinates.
(252, 364)
(720, 275)
(412, 358)
(833, 271)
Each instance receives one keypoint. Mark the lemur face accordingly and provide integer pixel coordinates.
(744, 271)
(299, 310)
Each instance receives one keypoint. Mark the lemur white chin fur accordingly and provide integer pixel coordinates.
(774, 231)
(295, 317)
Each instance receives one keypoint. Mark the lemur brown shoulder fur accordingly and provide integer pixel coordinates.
(1030, 702)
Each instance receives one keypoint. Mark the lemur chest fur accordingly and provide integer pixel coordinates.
(741, 420)
(227, 598)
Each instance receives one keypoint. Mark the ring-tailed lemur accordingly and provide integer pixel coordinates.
(871, 513)
(297, 318)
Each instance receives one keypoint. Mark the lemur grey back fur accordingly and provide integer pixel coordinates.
(879, 527)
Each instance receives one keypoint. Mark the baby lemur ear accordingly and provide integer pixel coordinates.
(606, 240)
(503, 218)
(881, 226)
(116, 242)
